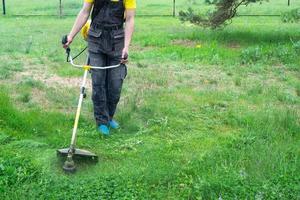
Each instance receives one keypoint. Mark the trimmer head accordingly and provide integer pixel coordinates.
(69, 166)
(79, 154)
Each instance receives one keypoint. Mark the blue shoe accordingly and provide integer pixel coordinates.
(113, 124)
(104, 130)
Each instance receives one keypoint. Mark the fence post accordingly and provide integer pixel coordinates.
(60, 9)
(3, 4)
(174, 8)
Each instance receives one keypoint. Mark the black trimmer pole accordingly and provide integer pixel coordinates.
(3, 4)
(289, 2)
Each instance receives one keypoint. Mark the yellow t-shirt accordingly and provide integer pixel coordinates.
(129, 4)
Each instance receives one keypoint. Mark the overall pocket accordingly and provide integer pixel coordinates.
(94, 39)
(118, 37)
(124, 74)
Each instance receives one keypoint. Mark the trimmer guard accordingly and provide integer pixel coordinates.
(79, 154)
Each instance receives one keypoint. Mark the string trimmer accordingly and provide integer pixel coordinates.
(72, 151)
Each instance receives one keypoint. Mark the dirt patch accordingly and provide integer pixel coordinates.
(185, 43)
(139, 48)
(233, 45)
(39, 73)
(50, 80)
(39, 97)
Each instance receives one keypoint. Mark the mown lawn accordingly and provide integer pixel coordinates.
(204, 114)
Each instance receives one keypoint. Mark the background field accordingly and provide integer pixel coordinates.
(204, 114)
(153, 7)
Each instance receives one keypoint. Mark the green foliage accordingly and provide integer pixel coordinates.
(4, 139)
(291, 16)
(296, 46)
(211, 1)
(28, 45)
(34, 122)
(298, 90)
(30, 82)
(10, 66)
(25, 97)
(251, 55)
(258, 54)
(15, 171)
(224, 11)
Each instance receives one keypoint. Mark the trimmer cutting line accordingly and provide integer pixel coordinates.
(72, 151)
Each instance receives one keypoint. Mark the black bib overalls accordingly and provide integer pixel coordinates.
(105, 44)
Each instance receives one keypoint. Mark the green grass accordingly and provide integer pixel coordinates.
(204, 114)
(153, 7)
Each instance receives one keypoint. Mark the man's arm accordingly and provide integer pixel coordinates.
(80, 21)
(129, 28)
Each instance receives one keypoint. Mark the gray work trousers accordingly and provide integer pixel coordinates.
(105, 50)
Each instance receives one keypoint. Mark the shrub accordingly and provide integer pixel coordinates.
(282, 53)
(251, 55)
(296, 46)
(291, 16)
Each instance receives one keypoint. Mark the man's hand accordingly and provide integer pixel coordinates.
(124, 58)
(128, 33)
(69, 41)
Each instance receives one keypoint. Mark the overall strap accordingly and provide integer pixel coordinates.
(98, 5)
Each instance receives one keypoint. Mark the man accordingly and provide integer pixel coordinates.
(108, 44)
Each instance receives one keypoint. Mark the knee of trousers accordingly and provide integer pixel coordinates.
(114, 98)
(114, 91)
(99, 94)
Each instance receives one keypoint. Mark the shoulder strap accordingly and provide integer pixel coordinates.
(98, 4)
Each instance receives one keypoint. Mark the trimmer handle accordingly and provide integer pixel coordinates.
(64, 41)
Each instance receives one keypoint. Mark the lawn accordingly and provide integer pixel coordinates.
(153, 7)
(205, 114)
